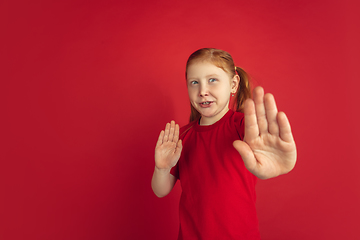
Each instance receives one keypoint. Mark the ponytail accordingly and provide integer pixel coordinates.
(243, 92)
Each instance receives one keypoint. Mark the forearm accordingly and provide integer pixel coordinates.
(162, 182)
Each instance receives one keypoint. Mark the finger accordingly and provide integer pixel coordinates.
(251, 126)
(284, 126)
(176, 133)
(271, 113)
(178, 147)
(166, 134)
(160, 139)
(172, 130)
(247, 155)
(260, 110)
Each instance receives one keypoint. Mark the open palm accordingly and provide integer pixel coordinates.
(268, 149)
(168, 147)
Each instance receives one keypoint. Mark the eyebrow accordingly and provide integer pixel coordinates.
(207, 76)
(212, 75)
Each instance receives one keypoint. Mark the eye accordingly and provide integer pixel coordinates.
(212, 80)
(193, 82)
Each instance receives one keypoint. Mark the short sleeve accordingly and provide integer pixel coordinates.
(239, 122)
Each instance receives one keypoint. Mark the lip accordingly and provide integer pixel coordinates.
(206, 104)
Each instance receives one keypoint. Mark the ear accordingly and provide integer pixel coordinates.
(235, 83)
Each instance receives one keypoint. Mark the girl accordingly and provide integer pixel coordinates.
(219, 154)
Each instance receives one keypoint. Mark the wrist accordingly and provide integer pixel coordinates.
(162, 170)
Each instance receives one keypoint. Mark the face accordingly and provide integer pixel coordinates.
(209, 89)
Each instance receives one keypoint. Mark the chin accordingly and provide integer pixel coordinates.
(207, 115)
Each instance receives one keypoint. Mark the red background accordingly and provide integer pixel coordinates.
(88, 85)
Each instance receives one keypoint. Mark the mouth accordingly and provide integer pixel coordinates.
(206, 104)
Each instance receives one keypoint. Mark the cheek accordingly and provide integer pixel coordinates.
(192, 92)
(223, 89)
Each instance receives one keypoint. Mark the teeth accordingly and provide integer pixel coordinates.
(206, 103)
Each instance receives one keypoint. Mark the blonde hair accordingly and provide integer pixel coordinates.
(223, 60)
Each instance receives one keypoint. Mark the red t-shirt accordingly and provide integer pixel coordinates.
(218, 192)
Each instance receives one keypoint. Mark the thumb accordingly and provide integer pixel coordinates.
(246, 154)
(178, 147)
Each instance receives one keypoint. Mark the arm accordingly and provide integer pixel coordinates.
(268, 149)
(167, 153)
(162, 182)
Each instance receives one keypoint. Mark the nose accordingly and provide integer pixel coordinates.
(203, 90)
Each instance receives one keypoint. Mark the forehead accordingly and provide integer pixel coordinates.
(199, 69)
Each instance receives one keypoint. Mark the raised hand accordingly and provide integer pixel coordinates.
(168, 147)
(268, 149)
